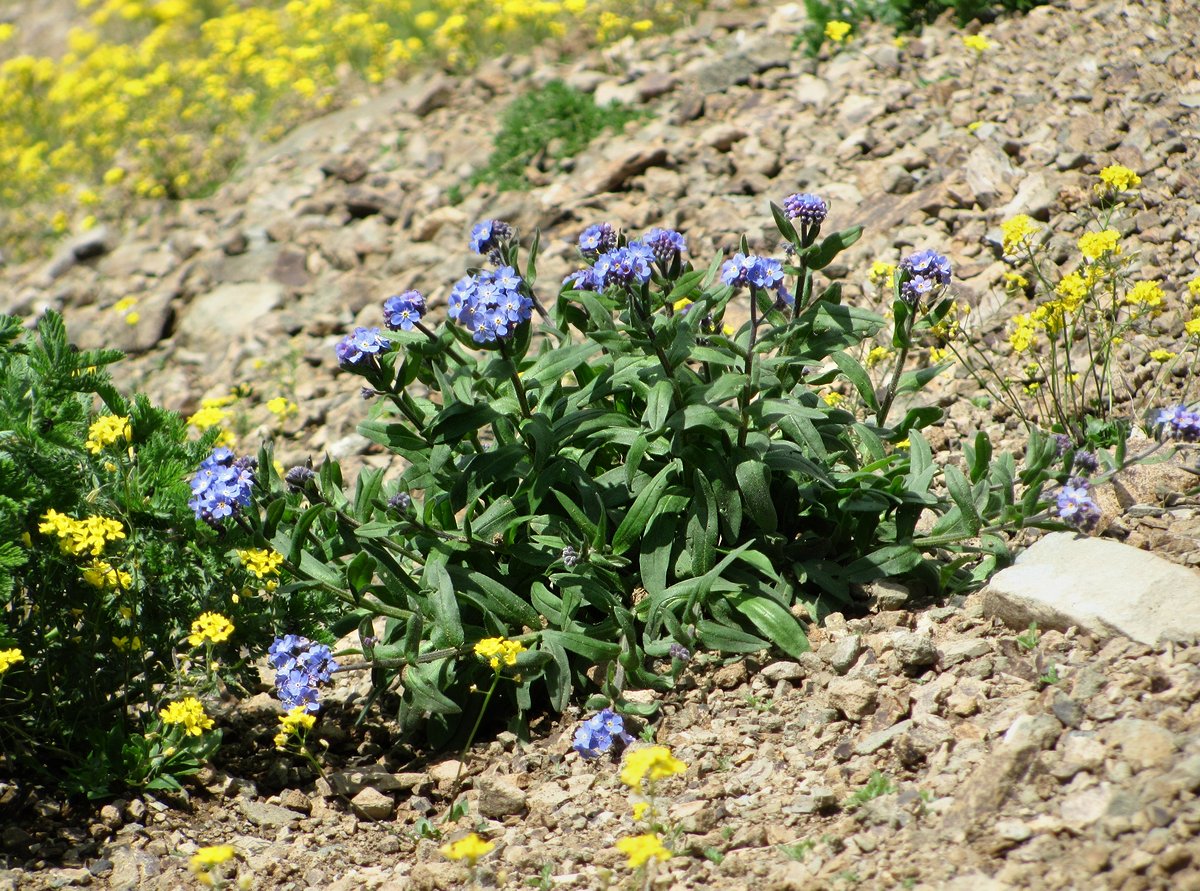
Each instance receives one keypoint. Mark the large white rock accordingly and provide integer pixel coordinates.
(1102, 586)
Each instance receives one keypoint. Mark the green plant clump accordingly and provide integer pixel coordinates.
(555, 121)
(105, 576)
(627, 475)
(902, 15)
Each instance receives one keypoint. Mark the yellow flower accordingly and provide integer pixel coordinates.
(133, 318)
(1016, 232)
(1192, 327)
(1148, 294)
(1072, 291)
(188, 712)
(295, 722)
(837, 30)
(1024, 333)
(937, 355)
(653, 762)
(832, 399)
(103, 575)
(1015, 281)
(1194, 288)
(876, 355)
(106, 430)
(899, 41)
(976, 42)
(882, 273)
(1161, 355)
(124, 305)
(642, 848)
(215, 855)
(212, 627)
(208, 416)
(78, 537)
(681, 304)
(470, 848)
(282, 407)
(1094, 245)
(497, 650)
(640, 808)
(1117, 179)
(9, 658)
(261, 563)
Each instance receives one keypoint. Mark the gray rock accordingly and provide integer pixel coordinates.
(914, 650)
(881, 738)
(260, 813)
(1143, 743)
(853, 697)
(1085, 807)
(131, 869)
(954, 652)
(228, 311)
(1096, 584)
(782, 671)
(499, 797)
(373, 804)
(845, 653)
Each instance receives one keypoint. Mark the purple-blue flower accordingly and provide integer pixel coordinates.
(221, 486)
(595, 736)
(750, 269)
(665, 244)
(924, 271)
(583, 280)
(402, 312)
(809, 209)
(1075, 505)
(1179, 422)
(490, 304)
(624, 266)
(300, 667)
(597, 239)
(360, 342)
(488, 235)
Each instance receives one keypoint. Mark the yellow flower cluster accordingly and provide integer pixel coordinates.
(976, 42)
(212, 412)
(282, 407)
(1116, 178)
(103, 575)
(76, 537)
(882, 274)
(210, 627)
(125, 306)
(837, 30)
(469, 848)
(1146, 297)
(214, 855)
(157, 98)
(497, 650)
(1094, 245)
(261, 563)
(1016, 232)
(878, 354)
(640, 849)
(106, 430)
(190, 713)
(9, 658)
(652, 763)
(294, 723)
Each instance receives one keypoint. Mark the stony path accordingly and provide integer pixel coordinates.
(1000, 779)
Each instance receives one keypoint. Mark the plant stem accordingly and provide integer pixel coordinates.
(890, 396)
(471, 738)
(744, 399)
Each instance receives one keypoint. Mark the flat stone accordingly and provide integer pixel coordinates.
(957, 651)
(260, 813)
(1084, 808)
(1143, 743)
(914, 650)
(1099, 585)
(373, 804)
(499, 797)
(782, 671)
(853, 697)
(845, 653)
(229, 310)
(881, 738)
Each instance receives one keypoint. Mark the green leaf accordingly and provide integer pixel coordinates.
(754, 480)
(590, 648)
(658, 405)
(495, 519)
(300, 532)
(643, 508)
(442, 599)
(553, 365)
(915, 380)
(727, 639)
(776, 623)
(857, 375)
(832, 245)
(980, 457)
(360, 571)
(960, 491)
(885, 562)
(421, 684)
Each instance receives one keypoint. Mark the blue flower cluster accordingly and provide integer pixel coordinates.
(490, 235)
(490, 304)
(924, 271)
(809, 209)
(1075, 505)
(300, 666)
(761, 272)
(597, 239)
(222, 486)
(360, 342)
(665, 244)
(624, 265)
(402, 312)
(595, 736)
(1179, 422)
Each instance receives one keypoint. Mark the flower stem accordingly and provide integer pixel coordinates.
(462, 757)
(890, 396)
